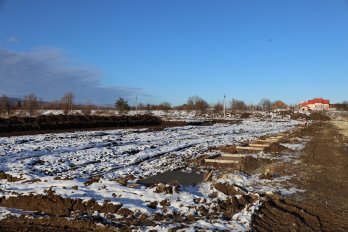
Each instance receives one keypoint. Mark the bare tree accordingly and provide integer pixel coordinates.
(87, 108)
(68, 102)
(265, 104)
(197, 103)
(5, 105)
(18, 105)
(165, 106)
(218, 107)
(30, 104)
(238, 105)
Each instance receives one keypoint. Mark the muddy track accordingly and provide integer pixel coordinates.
(283, 214)
(322, 173)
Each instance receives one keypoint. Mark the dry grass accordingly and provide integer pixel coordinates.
(343, 127)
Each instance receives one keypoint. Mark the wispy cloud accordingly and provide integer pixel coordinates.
(49, 74)
(13, 39)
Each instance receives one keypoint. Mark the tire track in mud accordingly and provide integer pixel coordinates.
(283, 214)
(322, 173)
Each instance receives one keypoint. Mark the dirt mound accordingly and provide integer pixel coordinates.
(250, 164)
(63, 122)
(95, 179)
(231, 149)
(227, 189)
(288, 215)
(8, 177)
(54, 224)
(56, 205)
(319, 117)
(245, 115)
(276, 148)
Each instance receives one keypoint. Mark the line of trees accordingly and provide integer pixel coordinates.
(31, 104)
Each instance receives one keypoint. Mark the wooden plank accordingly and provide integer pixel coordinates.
(133, 185)
(276, 137)
(233, 155)
(258, 145)
(249, 148)
(263, 141)
(208, 176)
(266, 140)
(221, 161)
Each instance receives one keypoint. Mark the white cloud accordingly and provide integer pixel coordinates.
(48, 74)
(13, 39)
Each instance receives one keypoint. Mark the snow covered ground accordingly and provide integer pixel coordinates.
(64, 162)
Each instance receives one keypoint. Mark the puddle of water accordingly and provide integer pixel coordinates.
(174, 177)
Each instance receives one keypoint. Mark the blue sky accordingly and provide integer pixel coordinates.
(168, 50)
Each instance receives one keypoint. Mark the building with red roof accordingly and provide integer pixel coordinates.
(316, 104)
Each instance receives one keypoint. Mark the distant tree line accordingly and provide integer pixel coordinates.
(30, 105)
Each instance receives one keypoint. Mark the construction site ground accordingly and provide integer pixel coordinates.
(323, 173)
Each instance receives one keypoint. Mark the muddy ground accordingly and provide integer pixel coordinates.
(323, 206)
(17, 126)
(44, 123)
(323, 173)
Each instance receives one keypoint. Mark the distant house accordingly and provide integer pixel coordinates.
(316, 104)
(279, 105)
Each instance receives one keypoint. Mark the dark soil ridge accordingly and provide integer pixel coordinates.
(55, 205)
(55, 224)
(283, 214)
(64, 214)
(276, 148)
(66, 122)
(31, 129)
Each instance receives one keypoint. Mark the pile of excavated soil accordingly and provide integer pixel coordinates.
(228, 189)
(276, 148)
(56, 224)
(250, 164)
(55, 205)
(54, 213)
(64, 122)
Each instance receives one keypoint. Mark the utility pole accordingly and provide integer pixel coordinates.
(224, 106)
(136, 105)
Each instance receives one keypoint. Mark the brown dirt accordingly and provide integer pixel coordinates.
(245, 115)
(95, 179)
(231, 149)
(227, 189)
(313, 116)
(287, 215)
(276, 148)
(250, 164)
(323, 170)
(55, 205)
(63, 122)
(323, 174)
(32, 129)
(8, 177)
(55, 224)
